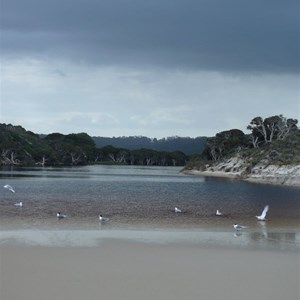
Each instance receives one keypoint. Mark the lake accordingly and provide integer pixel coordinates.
(143, 198)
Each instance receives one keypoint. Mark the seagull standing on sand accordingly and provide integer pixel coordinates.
(218, 213)
(263, 215)
(178, 210)
(239, 227)
(60, 215)
(102, 219)
(19, 204)
(7, 186)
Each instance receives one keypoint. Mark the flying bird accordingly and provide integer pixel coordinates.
(7, 186)
(19, 204)
(263, 215)
(103, 219)
(178, 210)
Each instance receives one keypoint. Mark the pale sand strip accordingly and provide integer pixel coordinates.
(212, 173)
(128, 270)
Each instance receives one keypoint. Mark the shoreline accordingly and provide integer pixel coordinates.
(126, 270)
(260, 239)
(253, 178)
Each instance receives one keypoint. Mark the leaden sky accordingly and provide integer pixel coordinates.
(147, 67)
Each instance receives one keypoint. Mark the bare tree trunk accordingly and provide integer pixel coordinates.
(112, 157)
(283, 128)
(75, 158)
(272, 128)
(9, 158)
(42, 162)
(254, 141)
(121, 158)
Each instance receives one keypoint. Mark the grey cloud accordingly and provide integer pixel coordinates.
(232, 35)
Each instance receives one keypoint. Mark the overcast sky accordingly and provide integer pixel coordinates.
(155, 68)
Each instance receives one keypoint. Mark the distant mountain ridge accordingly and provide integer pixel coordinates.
(187, 145)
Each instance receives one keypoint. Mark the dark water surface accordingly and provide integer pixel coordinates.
(139, 197)
(140, 202)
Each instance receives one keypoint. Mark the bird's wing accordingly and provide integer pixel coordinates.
(7, 186)
(240, 226)
(264, 212)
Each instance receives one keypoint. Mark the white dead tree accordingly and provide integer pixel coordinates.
(75, 157)
(9, 157)
(119, 157)
(42, 162)
(112, 157)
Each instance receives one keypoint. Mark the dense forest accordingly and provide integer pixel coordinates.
(20, 147)
(275, 139)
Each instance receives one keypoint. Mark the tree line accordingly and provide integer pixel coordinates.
(24, 148)
(269, 133)
(277, 134)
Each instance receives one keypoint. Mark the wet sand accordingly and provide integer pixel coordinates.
(119, 269)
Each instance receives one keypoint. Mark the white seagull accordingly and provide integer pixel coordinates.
(262, 217)
(19, 204)
(60, 215)
(178, 210)
(103, 219)
(7, 186)
(238, 226)
(218, 213)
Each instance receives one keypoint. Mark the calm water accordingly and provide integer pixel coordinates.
(139, 199)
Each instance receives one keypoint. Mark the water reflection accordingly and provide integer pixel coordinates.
(237, 234)
(283, 241)
(263, 226)
(275, 239)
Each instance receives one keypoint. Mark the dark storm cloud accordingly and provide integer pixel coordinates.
(231, 35)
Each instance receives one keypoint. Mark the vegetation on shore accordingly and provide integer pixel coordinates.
(274, 140)
(19, 147)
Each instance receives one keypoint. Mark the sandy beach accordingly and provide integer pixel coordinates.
(120, 269)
